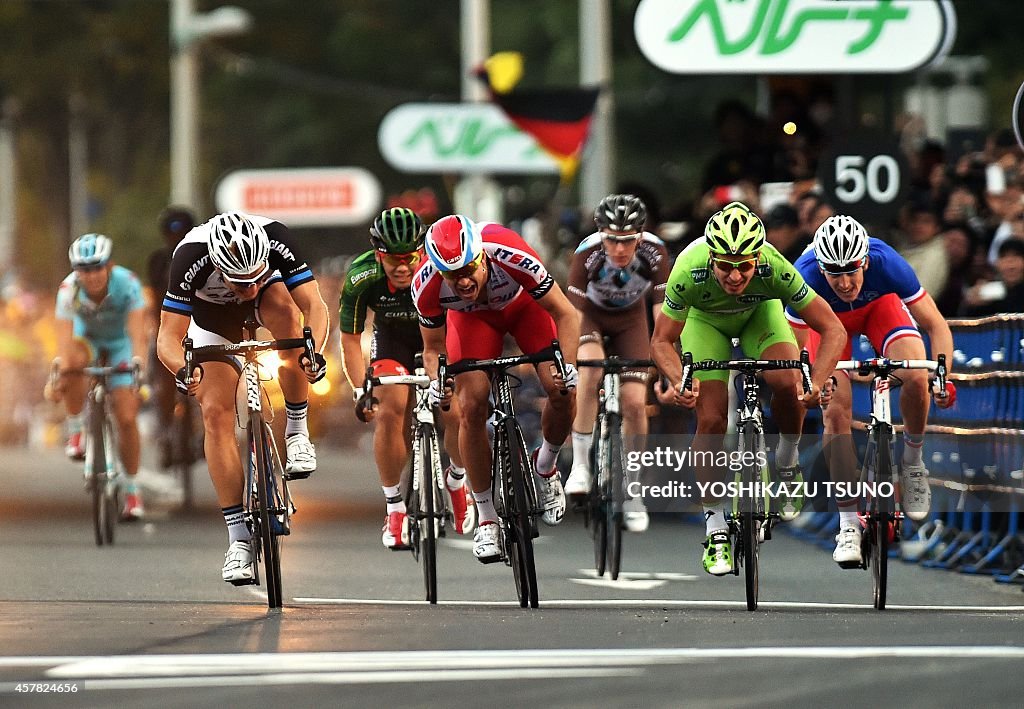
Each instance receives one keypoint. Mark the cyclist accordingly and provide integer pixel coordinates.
(731, 283)
(874, 291)
(232, 267)
(614, 273)
(483, 281)
(101, 317)
(174, 223)
(380, 280)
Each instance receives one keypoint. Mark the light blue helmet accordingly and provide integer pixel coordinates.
(90, 250)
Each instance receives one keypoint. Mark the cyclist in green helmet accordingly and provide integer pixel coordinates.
(732, 284)
(380, 280)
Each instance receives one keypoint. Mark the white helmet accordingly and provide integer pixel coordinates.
(840, 240)
(238, 246)
(90, 250)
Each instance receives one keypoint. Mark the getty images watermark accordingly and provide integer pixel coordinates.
(666, 459)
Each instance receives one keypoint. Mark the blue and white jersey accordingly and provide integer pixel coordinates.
(887, 272)
(103, 321)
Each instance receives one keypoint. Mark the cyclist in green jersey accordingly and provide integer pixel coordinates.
(380, 280)
(732, 284)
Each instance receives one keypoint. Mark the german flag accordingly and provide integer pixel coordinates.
(557, 118)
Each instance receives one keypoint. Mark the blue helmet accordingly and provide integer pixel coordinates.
(90, 250)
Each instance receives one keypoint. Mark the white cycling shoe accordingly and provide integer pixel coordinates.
(300, 455)
(579, 481)
(487, 543)
(847, 553)
(634, 515)
(239, 568)
(917, 493)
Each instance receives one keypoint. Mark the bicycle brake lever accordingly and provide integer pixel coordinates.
(189, 361)
(805, 370)
(442, 376)
(687, 382)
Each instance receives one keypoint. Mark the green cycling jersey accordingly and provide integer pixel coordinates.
(367, 286)
(692, 285)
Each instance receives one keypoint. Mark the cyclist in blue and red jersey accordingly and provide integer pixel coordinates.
(874, 292)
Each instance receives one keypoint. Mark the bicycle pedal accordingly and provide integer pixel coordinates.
(851, 565)
(400, 547)
(297, 475)
(244, 582)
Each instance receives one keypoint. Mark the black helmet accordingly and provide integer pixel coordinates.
(175, 222)
(621, 212)
(397, 231)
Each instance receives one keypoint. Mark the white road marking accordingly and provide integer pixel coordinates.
(665, 603)
(661, 575)
(622, 584)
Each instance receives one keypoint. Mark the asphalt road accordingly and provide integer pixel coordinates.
(148, 623)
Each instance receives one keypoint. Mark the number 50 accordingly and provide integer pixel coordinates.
(853, 181)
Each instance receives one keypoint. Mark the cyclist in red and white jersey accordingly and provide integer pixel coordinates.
(874, 291)
(481, 282)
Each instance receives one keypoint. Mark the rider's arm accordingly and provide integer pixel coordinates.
(352, 359)
(928, 317)
(433, 345)
(567, 321)
(65, 332)
(314, 311)
(136, 324)
(663, 347)
(173, 328)
(819, 317)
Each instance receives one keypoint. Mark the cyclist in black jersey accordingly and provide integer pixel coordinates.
(380, 280)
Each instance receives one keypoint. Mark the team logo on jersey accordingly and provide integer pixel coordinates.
(356, 278)
(787, 276)
(752, 298)
(705, 296)
(800, 294)
(673, 304)
(282, 249)
(764, 270)
(518, 259)
(699, 275)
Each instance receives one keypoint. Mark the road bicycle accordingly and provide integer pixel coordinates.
(426, 504)
(603, 512)
(882, 514)
(751, 519)
(513, 488)
(104, 472)
(267, 503)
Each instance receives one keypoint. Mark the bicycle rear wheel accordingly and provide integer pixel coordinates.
(597, 501)
(616, 489)
(260, 443)
(521, 521)
(879, 524)
(97, 471)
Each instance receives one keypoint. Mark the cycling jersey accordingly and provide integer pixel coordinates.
(593, 279)
(197, 289)
(693, 285)
(514, 269)
(102, 326)
(887, 272)
(367, 287)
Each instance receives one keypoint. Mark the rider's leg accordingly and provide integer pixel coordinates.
(472, 390)
(216, 397)
(914, 396)
(73, 388)
(126, 410)
(391, 440)
(839, 448)
(555, 419)
(787, 410)
(586, 411)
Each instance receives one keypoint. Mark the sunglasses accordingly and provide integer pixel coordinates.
(395, 260)
(248, 281)
(841, 269)
(745, 266)
(92, 268)
(620, 237)
(466, 271)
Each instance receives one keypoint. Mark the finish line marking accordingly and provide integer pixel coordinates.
(664, 603)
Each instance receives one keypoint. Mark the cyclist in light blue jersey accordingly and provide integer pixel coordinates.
(101, 318)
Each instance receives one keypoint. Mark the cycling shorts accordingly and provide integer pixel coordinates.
(710, 335)
(883, 321)
(479, 334)
(401, 344)
(111, 353)
(227, 319)
(627, 331)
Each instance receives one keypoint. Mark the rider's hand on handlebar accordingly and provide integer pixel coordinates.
(188, 389)
(670, 394)
(315, 370)
(366, 406)
(812, 398)
(436, 397)
(945, 399)
(572, 377)
(825, 395)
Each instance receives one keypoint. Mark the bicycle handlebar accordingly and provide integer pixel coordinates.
(445, 370)
(205, 353)
(747, 366)
(883, 367)
(615, 363)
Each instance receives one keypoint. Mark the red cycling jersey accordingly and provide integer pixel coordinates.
(516, 278)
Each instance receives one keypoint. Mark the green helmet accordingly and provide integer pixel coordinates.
(734, 230)
(397, 231)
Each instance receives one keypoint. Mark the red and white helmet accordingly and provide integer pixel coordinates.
(453, 242)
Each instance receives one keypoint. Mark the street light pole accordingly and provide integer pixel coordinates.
(188, 29)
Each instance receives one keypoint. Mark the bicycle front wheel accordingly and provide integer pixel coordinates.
(613, 505)
(522, 522)
(97, 471)
(597, 502)
(260, 443)
(427, 521)
(751, 509)
(879, 524)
